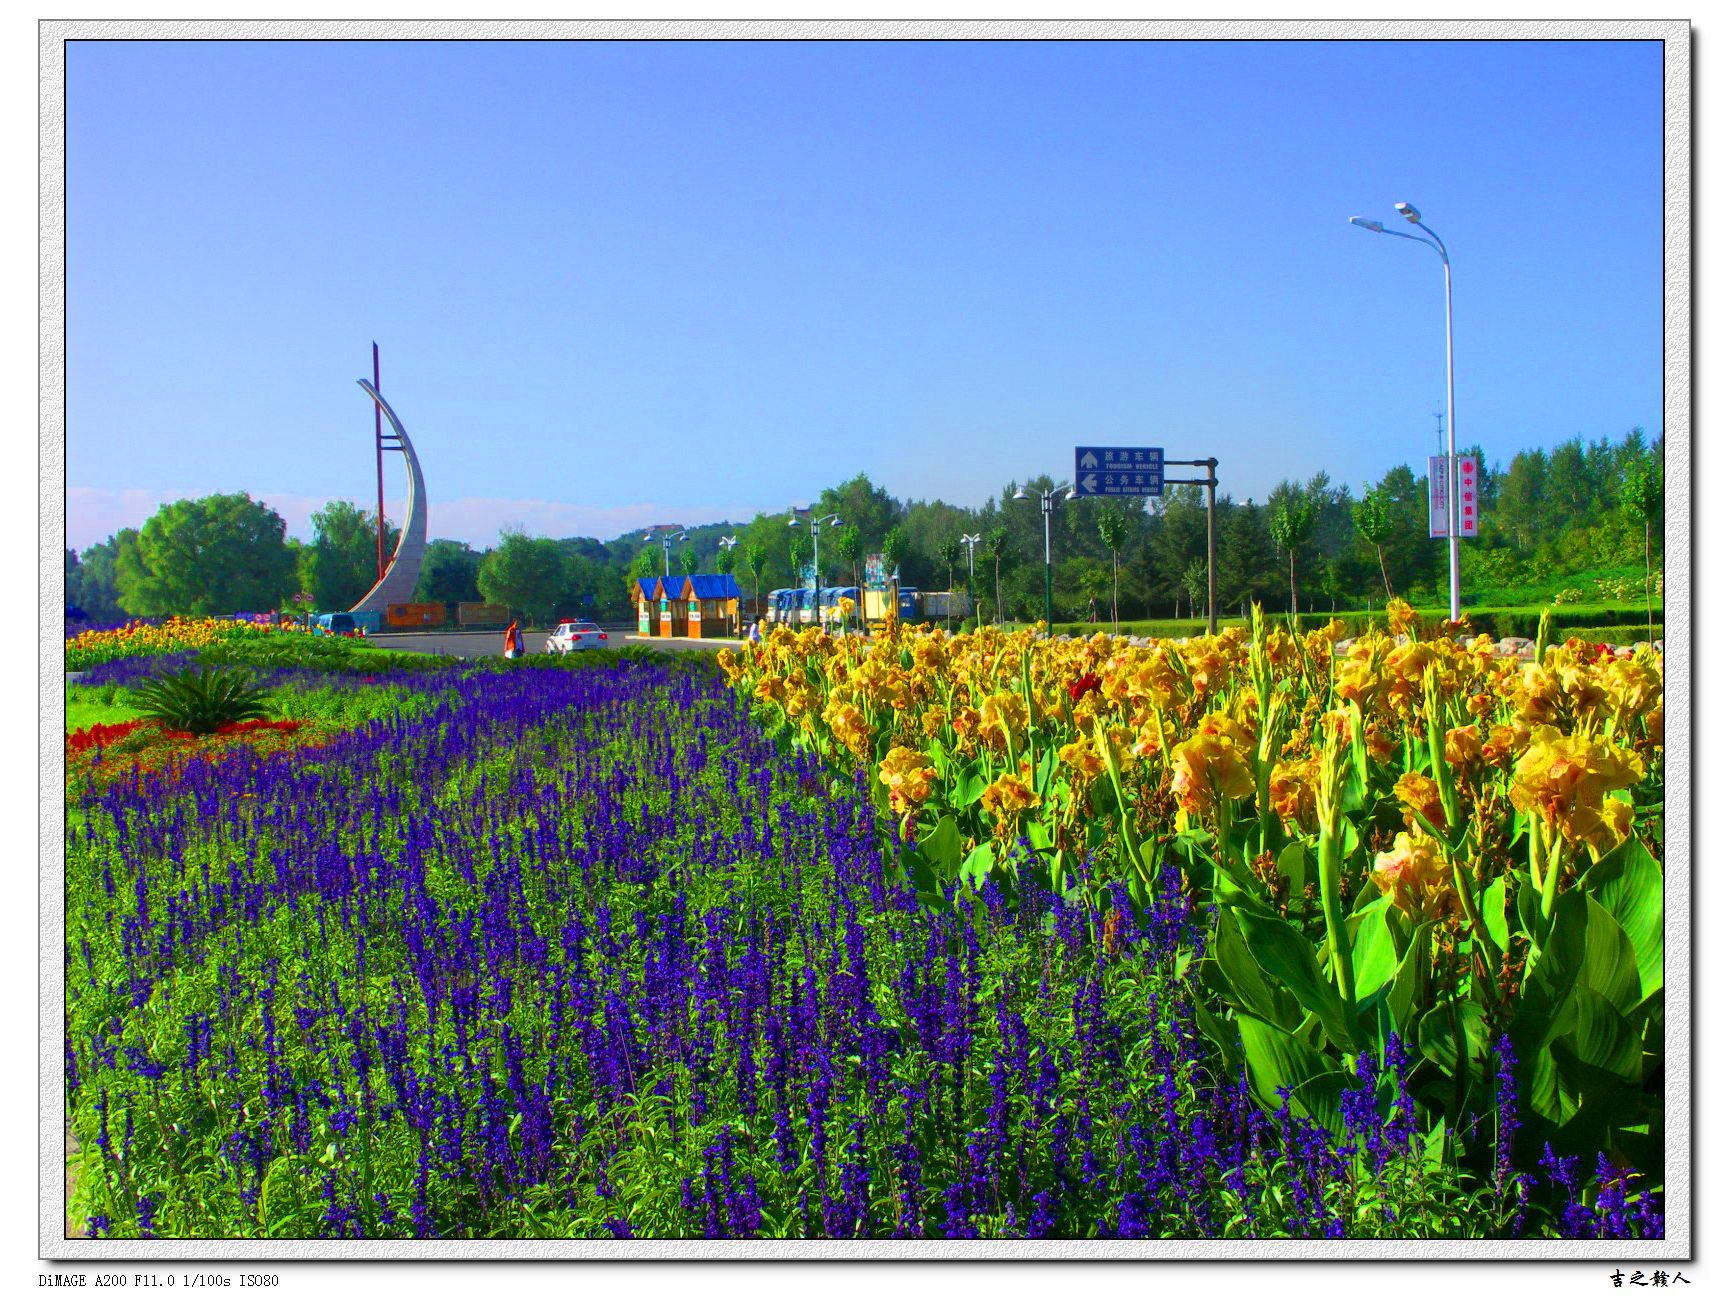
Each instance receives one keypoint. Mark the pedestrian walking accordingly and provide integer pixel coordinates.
(513, 641)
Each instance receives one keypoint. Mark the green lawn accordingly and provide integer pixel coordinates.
(85, 708)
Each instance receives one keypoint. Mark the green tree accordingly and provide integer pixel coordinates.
(526, 574)
(92, 585)
(1195, 584)
(850, 548)
(1412, 558)
(1642, 503)
(215, 555)
(687, 559)
(862, 504)
(894, 551)
(340, 564)
(1371, 517)
(1247, 560)
(646, 564)
(998, 552)
(724, 561)
(1089, 577)
(588, 587)
(1291, 523)
(1180, 538)
(755, 557)
(948, 556)
(1113, 531)
(448, 573)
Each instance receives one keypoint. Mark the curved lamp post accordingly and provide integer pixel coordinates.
(1434, 241)
(1047, 503)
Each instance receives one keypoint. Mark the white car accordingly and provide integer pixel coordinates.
(575, 635)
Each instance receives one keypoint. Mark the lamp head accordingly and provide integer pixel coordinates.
(1407, 211)
(1367, 224)
(1020, 494)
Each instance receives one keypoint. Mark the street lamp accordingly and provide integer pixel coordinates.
(666, 531)
(1434, 241)
(1047, 503)
(816, 524)
(970, 541)
(727, 544)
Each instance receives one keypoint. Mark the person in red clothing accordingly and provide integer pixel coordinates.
(513, 641)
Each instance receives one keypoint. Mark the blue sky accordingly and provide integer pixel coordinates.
(620, 283)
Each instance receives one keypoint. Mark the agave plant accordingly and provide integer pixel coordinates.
(200, 700)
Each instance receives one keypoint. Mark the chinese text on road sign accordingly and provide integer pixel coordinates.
(1119, 471)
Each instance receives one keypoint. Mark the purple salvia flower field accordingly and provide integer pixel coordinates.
(585, 953)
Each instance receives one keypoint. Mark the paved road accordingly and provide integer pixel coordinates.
(475, 645)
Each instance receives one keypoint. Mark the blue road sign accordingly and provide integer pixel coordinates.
(1120, 471)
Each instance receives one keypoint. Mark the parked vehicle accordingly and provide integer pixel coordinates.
(575, 634)
(365, 623)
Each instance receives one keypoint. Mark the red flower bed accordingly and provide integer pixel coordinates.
(288, 726)
(103, 733)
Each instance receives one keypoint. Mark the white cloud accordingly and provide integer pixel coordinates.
(93, 514)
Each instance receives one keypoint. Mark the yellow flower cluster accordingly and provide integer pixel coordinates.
(1215, 730)
(170, 637)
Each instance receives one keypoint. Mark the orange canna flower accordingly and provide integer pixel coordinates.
(1413, 874)
(908, 777)
(1565, 781)
(1207, 769)
(1420, 796)
(1291, 792)
(1463, 747)
(1401, 616)
(1006, 798)
(1083, 757)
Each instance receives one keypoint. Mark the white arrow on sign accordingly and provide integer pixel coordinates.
(1088, 482)
(1089, 461)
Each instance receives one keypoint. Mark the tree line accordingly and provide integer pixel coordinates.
(1309, 545)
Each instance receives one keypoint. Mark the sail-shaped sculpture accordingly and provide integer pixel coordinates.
(402, 574)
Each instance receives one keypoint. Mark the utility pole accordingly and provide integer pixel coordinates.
(1211, 464)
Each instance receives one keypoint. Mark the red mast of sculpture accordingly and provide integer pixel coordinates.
(378, 444)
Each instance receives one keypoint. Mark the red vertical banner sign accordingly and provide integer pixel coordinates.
(1468, 496)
